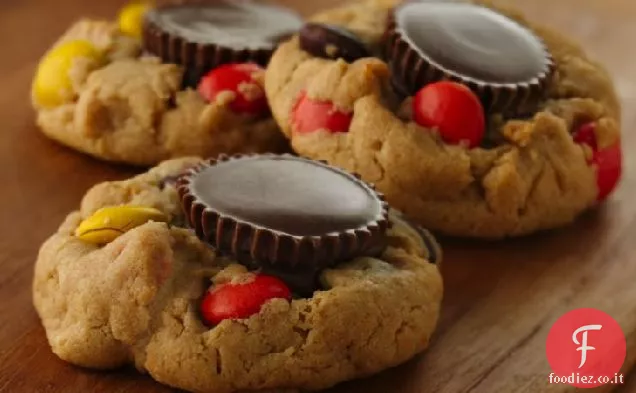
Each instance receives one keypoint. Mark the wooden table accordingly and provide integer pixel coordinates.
(501, 298)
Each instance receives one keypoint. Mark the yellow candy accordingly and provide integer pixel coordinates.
(131, 18)
(108, 223)
(52, 85)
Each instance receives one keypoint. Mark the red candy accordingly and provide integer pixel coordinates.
(609, 164)
(242, 80)
(310, 115)
(453, 109)
(241, 300)
(608, 161)
(585, 135)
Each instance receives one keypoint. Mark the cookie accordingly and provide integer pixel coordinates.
(147, 88)
(490, 135)
(223, 307)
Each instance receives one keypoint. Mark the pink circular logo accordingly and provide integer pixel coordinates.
(586, 348)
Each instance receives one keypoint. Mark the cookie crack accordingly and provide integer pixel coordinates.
(558, 176)
(377, 328)
(377, 147)
(304, 327)
(303, 333)
(523, 209)
(219, 361)
(289, 78)
(414, 309)
(156, 307)
(158, 136)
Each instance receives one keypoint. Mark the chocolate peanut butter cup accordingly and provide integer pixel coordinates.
(284, 214)
(506, 64)
(203, 35)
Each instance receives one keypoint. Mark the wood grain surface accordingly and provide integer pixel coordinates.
(501, 298)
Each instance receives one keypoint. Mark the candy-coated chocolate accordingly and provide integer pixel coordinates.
(108, 223)
(608, 161)
(243, 299)
(310, 115)
(609, 166)
(453, 110)
(332, 42)
(52, 85)
(586, 135)
(244, 80)
(131, 18)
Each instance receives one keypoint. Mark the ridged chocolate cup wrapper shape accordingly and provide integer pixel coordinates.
(284, 213)
(503, 62)
(206, 34)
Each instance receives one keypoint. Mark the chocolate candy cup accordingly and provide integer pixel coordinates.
(502, 61)
(332, 42)
(284, 213)
(204, 35)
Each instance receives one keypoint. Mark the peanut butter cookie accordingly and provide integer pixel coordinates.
(469, 118)
(177, 80)
(261, 294)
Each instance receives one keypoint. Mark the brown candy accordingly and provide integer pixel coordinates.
(332, 42)
(433, 249)
(202, 36)
(502, 61)
(283, 213)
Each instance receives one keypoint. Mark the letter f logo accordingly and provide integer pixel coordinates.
(583, 344)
